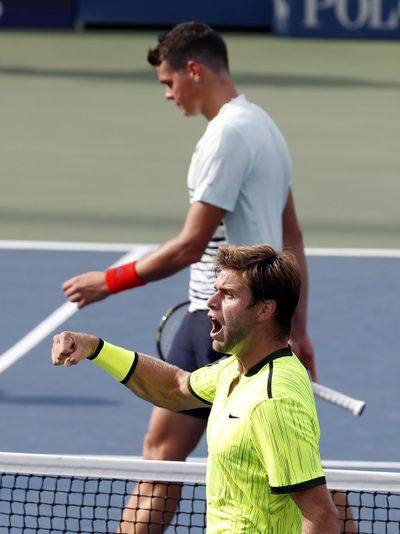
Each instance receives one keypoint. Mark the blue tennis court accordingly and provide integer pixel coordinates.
(354, 319)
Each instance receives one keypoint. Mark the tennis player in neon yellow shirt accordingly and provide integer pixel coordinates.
(264, 471)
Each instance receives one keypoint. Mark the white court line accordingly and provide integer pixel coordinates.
(354, 252)
(71, 246)
(124, 247)
(55, 319)
(64, 312)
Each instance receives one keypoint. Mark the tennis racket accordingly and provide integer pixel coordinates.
(169, 324)
(171, 321)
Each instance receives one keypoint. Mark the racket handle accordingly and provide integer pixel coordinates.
(340, 399)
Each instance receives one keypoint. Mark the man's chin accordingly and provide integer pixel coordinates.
(217, 346)
(188, 113)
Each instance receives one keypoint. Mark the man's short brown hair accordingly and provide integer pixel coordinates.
(270, 274)
(190, 40)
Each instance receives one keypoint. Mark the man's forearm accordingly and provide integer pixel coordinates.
(293, 241)
(168, 259)
(151, 379)
(299, 321)
(186, 248)
(161, 384)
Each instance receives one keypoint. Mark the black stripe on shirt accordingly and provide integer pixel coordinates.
(195, 394)
(269, 384)
(308, 484)
(281, 353)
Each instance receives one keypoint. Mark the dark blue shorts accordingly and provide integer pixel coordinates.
(191, 349)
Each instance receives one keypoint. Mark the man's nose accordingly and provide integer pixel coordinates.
(212, 301)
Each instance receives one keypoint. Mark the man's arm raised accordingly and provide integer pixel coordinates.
(151, 379)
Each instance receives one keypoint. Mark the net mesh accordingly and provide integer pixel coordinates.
(43, 502)
(368, 512)
(46, 504)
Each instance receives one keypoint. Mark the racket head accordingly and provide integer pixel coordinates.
(169, 325)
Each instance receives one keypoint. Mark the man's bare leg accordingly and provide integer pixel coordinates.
(171, 436)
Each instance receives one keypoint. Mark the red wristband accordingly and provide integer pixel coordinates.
(123, 277)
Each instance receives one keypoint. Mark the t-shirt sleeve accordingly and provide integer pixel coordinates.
(286, 437)
(203, 381)
(225, 164)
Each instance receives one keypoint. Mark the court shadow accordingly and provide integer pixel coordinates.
(240, 77)
(52, 400)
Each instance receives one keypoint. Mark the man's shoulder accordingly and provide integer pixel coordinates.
(238, 117)
(240, 106)
(286, 381)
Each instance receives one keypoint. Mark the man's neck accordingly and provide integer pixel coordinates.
(219, 92)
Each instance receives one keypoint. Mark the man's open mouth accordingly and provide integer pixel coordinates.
(215, 326)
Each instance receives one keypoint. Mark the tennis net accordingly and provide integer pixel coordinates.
(52, 494)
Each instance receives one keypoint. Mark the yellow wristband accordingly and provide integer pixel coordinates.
(118, 362)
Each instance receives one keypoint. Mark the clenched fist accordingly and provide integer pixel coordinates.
(69, 348)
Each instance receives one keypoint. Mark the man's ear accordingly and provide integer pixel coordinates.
(266, 309)
(194, 69)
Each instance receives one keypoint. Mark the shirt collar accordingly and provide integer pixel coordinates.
(280, 353)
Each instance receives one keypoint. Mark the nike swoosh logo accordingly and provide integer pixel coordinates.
(233, 416)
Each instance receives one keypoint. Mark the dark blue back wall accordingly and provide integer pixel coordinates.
(37, 13)
(226, 13)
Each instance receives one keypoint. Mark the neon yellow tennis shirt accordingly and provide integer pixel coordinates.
(262, 443)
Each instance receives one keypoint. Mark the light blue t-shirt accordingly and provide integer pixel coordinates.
(242, 165)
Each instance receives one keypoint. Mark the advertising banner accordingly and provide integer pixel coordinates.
(37, 13)
(223, 13)
(360, 19)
